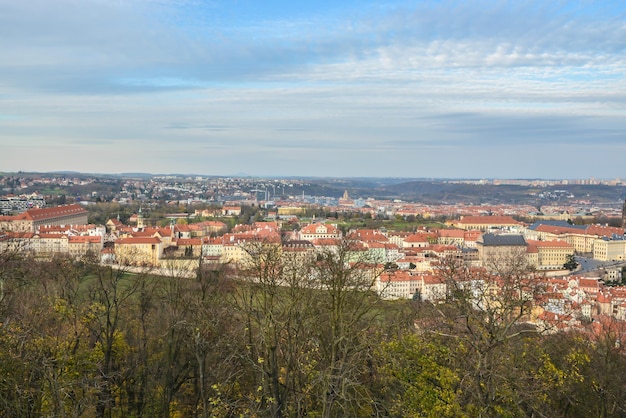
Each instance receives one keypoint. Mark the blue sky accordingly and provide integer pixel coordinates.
(473, 89)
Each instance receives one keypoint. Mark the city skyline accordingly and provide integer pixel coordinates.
(436, 89)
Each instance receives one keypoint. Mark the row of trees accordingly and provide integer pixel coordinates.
(289, 336)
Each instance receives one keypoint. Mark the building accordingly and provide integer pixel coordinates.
(186, 247)
(16, 204)
(290, 211)
(550, 255)
(605, 249)
(298, 253)
(231, 210)
(138, 251)
(32, 219)
(113, 225)
(48, 245)
(316, 231)
(403, 284)
(496, 252)
(451, 237)
(552, 230)
(79, 246)
(418, 240)
(487, 223)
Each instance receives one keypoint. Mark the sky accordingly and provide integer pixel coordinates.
(442, 89)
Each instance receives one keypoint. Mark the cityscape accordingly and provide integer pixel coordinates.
(569, 226)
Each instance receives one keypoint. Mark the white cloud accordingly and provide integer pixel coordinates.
(419, 80)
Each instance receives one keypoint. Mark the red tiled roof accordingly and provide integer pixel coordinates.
(401, 234)
(417, 238)
(189, 241)
(589, 283)
(432, 279)
(550, 244)
(472, 235)
(51, 213)
(311, 229)
(604, 231)
(451, 233)
(368, 235)
(139, 234)
(397, 276)
(557, 230)
(51, 236)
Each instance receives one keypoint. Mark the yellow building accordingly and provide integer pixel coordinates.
(609, 250)
(79, 246)
(291, 210)
(32, 219)
(486, 223)
(550, 255)
(582, 238)
(46, 245)
(139, 251)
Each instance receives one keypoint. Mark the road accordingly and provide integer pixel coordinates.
(589, 265)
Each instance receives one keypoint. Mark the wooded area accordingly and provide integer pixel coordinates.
(287, 336)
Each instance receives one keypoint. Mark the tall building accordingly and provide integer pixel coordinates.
(624, 215)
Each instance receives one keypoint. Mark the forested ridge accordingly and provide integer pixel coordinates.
(286, 336)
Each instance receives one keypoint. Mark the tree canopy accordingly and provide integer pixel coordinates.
(292, 336)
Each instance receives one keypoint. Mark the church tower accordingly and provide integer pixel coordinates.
(140, 221)
(624, 215)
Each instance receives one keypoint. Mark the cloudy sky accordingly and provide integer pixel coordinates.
(473, 89)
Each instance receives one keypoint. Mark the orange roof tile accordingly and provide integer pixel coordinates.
(188, 241)
(55, 212)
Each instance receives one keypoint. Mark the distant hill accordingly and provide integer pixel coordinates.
(137, 175)
(438, 192)
(429, 191)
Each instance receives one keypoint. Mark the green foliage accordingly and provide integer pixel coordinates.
(421, 382)
(301, 339)
(570, 264)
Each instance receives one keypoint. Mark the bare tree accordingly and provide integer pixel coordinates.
(110, 293)
(275, 303)
(16, 263)
(484, 314)
(346, 316)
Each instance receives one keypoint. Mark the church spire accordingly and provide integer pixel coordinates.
(140, 221)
